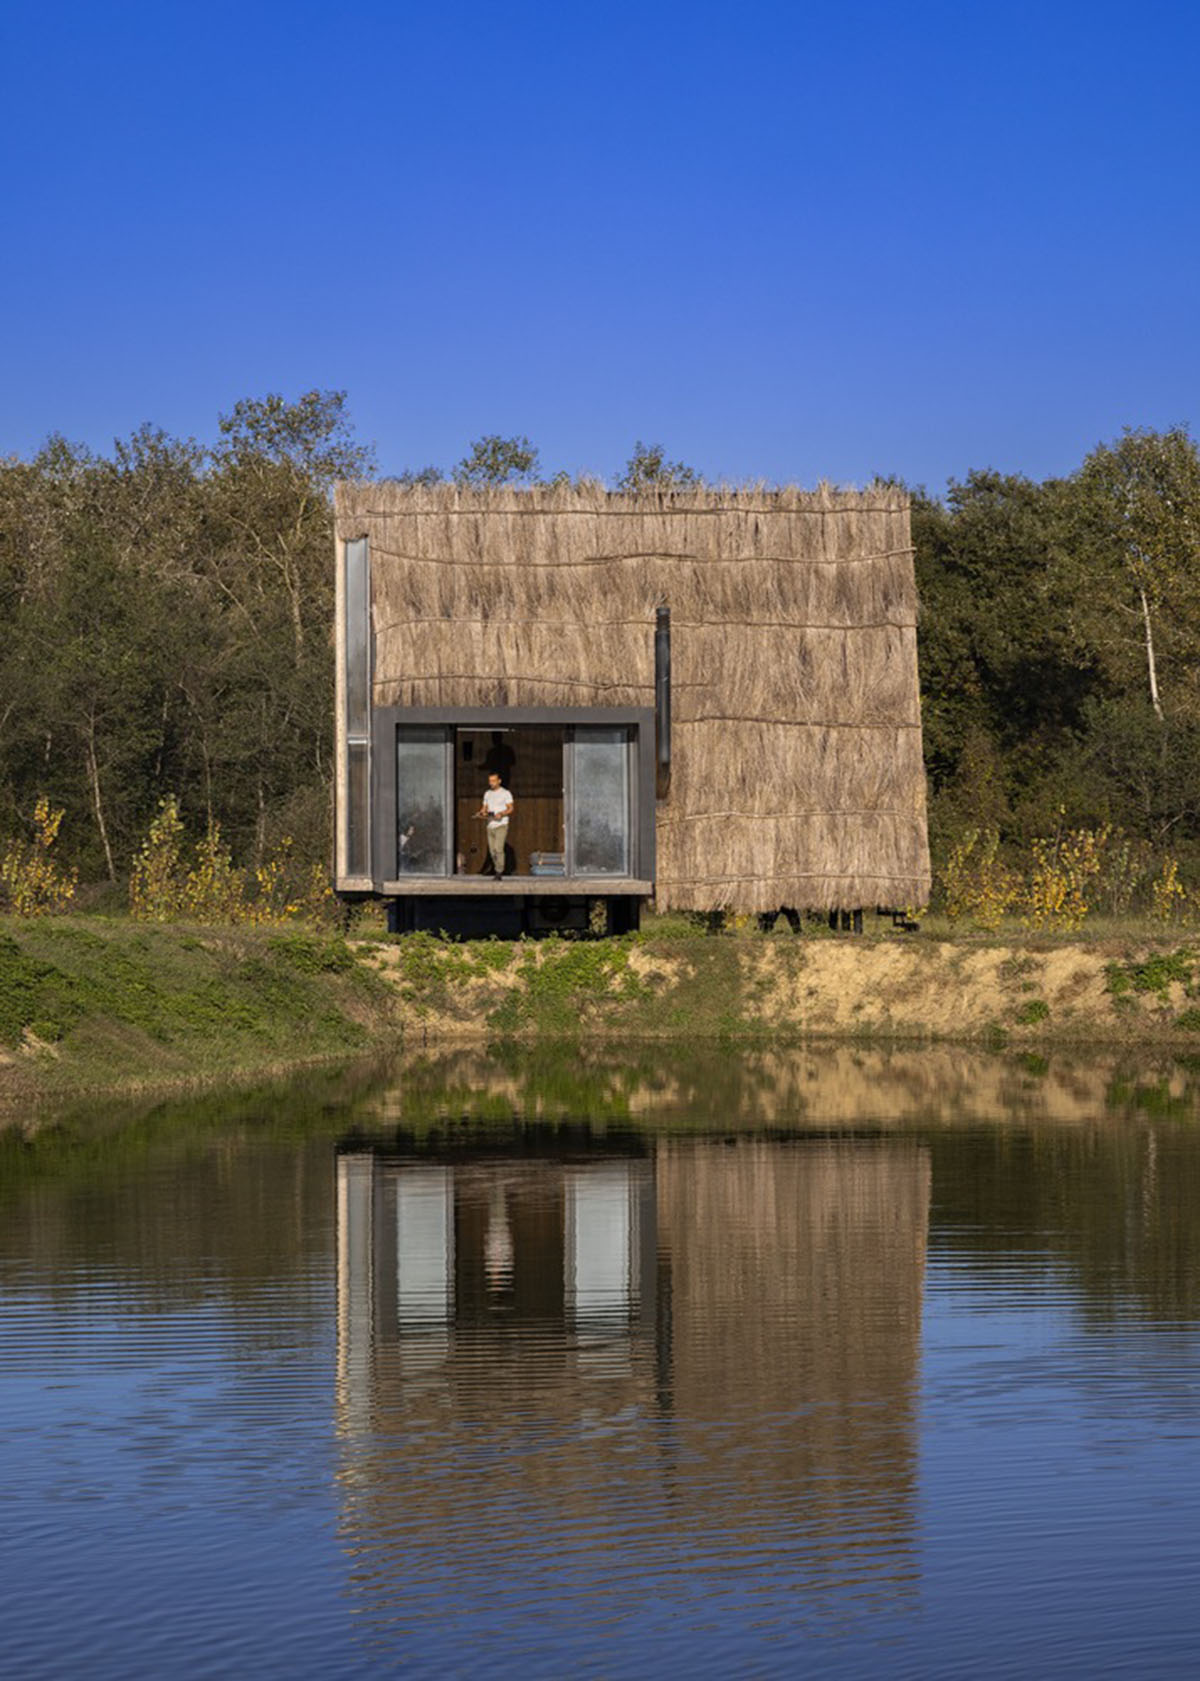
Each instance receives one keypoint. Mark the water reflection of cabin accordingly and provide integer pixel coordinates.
(750, 1311)
(434, 1248)
(709, 698)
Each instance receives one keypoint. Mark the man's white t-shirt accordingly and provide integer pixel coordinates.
(496, 802)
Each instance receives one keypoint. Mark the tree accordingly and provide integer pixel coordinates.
(261, 709)
(493, 460)
(419, 476)
(1148, 490)
(1005, 670)
(314, 436)
(649, 469)
(167, 616)
(98, 617)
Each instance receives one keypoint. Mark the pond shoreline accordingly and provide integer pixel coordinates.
(92, 1006)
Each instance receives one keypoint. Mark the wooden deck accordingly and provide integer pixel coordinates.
(537, 887)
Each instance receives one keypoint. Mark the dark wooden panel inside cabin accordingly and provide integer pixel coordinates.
(530, 762)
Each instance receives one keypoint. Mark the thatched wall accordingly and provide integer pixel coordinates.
(797, 773)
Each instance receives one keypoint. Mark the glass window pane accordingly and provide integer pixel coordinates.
(421, 809)
(358, 861)
(358, 675)
(600, 785)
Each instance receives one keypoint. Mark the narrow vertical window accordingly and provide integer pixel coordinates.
(358, 708)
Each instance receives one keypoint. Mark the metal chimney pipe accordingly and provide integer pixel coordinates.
(662, 700)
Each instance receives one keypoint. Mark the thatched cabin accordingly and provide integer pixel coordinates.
(709, 697)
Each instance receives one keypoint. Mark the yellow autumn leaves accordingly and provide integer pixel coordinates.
(1064, 879)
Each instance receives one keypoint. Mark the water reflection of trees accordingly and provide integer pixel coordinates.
(703, 1086)
(1118, 1204)
(227, 1193)
(1096, 1160)
(1093, 1162)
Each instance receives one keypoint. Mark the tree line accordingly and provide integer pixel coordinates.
(167, 612)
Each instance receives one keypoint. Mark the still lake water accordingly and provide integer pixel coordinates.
(834, 1362)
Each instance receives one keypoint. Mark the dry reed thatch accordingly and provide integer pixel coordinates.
(797, 771)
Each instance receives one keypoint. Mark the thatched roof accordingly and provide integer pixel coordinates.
(797, 772)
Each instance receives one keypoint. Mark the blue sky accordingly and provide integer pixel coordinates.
(789, 241)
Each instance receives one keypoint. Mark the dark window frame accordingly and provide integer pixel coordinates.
(386, 720)
(357, 834)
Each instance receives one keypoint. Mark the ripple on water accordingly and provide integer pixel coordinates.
(744, 1407)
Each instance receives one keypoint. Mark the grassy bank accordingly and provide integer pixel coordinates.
(671, 981)
(90, 1004)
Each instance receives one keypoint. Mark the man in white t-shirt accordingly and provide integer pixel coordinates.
(497, 807)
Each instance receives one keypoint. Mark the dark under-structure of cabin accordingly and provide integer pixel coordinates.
(704, 697)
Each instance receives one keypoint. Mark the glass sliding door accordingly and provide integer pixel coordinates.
(600, 815)
(424, 776)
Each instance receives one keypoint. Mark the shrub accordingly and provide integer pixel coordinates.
(1065, 871)
(164, 887)
(156, 883)
(1168, 897)
(31, 883)
(976, 883)
(1126, 867)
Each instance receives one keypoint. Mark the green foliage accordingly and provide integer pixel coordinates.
(1155, 974)
(135, 1001)
(976, 884)
(673, 985)
(167, 619)
(676, 925)
(309, 954)
(649, 469)
(1040, 606)
(165, 887)
(22, 991)
(429, 968)
(312, 436)
(560, 981)
(427, 476)
(31, 882)
(1031, 1013)
(1146, 488)
(1004, 674)
(491, 956)
(494, 460)
(156, 882)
